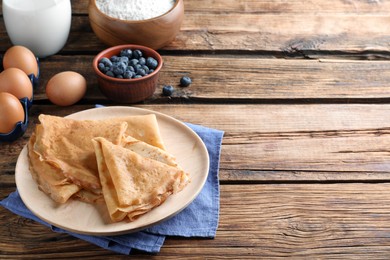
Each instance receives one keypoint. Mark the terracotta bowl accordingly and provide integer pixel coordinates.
(155, 32)
(127, 90)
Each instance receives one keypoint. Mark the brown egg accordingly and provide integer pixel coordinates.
(11, 112)
(22, 58)
(66, 88)
(16, 82)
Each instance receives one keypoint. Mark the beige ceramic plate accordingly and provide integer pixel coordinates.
(85, 218)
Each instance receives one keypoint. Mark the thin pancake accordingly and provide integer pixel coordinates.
(148, 151)
(142, 127)
(88, 196)
(132, 184)
(50, 179)
(66, 144)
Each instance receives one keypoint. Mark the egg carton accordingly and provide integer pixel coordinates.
(21, 127)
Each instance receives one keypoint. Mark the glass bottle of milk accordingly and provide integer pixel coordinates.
(41, 25)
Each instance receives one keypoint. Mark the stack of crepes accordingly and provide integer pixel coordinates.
(119, 161)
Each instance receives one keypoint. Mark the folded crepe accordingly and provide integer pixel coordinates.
(49, 179)
(133, 184)
(149, 151)
(66, 145)
(142, 127)
(62, 157)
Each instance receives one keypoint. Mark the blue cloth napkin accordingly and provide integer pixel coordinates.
(199, 219)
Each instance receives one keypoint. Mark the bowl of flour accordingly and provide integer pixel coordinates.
(152, 23)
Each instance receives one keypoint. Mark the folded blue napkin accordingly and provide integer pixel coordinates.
(199, 219)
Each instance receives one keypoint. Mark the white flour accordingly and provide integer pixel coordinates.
(134, 9)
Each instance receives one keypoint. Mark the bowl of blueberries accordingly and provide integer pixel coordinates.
(127, 73)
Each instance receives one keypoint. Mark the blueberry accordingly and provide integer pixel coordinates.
(137, 76)
(128, 74)
(101, 67)
(151, 71)
(106, 62)
(151, 63)
(124, 60)
(146, 69)
(110, 73)
(119, 68)
(137, 67)
(141, 72)
(142, 61)
(114, 58)
(122, 65)
(126, 53)
(168, 90)
(185, 81)
(130, 68)
(117, 71)
(133, 62)
(137, 54)
(119, 76)
(134, 69)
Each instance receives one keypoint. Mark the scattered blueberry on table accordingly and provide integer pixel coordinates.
(168, 90)
(185, 81)
(129, 64)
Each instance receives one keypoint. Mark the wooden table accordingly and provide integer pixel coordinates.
(302, 91)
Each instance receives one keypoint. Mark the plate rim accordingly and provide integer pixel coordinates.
(122, 231)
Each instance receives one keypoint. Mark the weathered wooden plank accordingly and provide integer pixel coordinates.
(282, 143)
(335, 221)
(291, 33)
(272, 138)
(280, 33)
(253, 77)
(245, 78)
(287, 7)
(267, 6)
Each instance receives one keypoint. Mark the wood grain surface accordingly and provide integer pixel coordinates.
(293, 27)
(336, 221)
(301, 90)
(247, 79)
